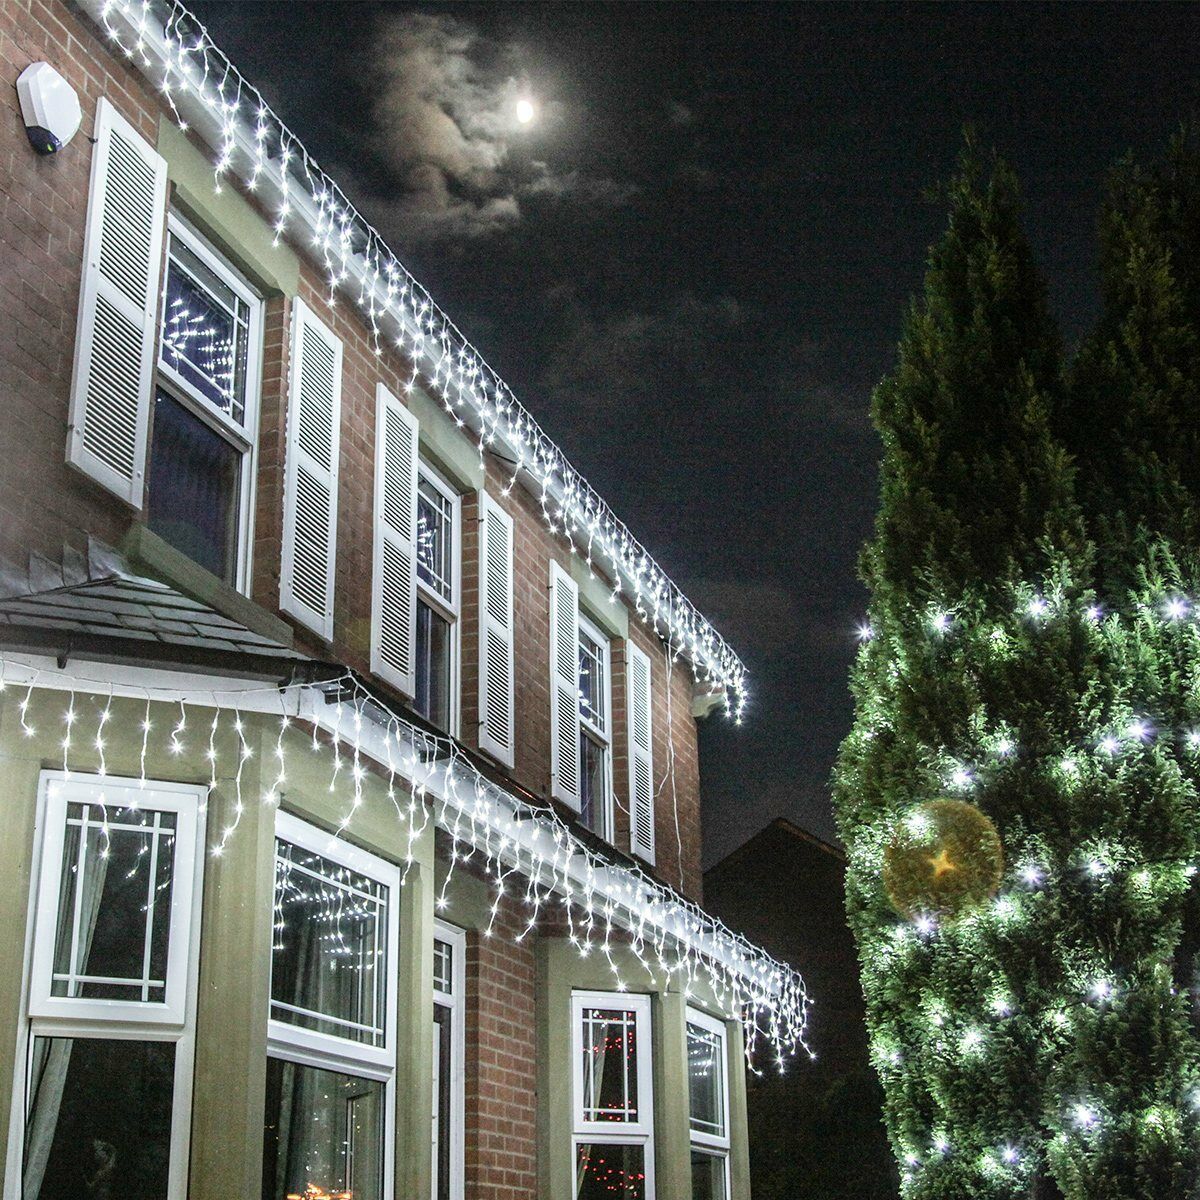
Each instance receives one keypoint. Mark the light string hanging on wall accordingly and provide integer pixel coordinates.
(429, 778)
(253, 143)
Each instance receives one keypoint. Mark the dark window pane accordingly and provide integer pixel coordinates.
(323, 1131)
(329, 960)
(435, 540)
(593, 701)
(115, 904)
(708, 1176)
(432, 700)
(603, 1171)
(593, 784)
(706, 1080)
(99, 1119)
(205, 334)
(444, 1078)
(195, 476)
(443, 966)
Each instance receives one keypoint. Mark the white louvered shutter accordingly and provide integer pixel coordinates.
(310, 480)
(118, 308)
(496, 732)
(564, 687)
(394, 590)
(641, 754)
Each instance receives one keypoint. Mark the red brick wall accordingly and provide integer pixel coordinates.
(43, 203)
(501, 1101)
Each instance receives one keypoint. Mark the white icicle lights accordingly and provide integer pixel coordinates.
(526, 851)
(204, 90)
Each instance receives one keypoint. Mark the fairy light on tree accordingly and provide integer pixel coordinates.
(1037, 1043)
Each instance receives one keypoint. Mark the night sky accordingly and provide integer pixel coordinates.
(693, 265)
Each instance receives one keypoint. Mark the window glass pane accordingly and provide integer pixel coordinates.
(195, 481)
(435, 540)
(443, 966)
(114, 910)
(443, 1080)
(205, 332)
(593, 699)
(593, 784)
(432, 700)
(322, 1134)
(98, 1122)
(604, 1170)
(708, 1176)
(610, 1089)
(706, 1080)
(329, 961)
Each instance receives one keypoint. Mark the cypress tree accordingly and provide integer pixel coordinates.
(1021, 1037)
(1132, 417)
(1133, 421)
(976, 500)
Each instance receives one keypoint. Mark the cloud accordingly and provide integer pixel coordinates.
(619, 357)
(698, 176)
(574, 185)
(679, 114)
(445, 125)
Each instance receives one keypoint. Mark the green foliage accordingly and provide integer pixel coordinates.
(1042, 1044)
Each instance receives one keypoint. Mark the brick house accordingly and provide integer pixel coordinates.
(349, 738)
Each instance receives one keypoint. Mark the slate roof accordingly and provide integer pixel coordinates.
(95, 597)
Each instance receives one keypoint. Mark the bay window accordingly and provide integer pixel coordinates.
(107, 1032)
(613, 1107)
(438, 532)
(200, 474)
(595, 730)
(328, 1120)
(708, 1103)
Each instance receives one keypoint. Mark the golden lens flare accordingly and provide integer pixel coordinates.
(944, 858)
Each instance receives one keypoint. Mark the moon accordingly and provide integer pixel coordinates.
(525, 111)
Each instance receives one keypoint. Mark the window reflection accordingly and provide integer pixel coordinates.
(604, 1171)
(322, 1135)
(329, 959)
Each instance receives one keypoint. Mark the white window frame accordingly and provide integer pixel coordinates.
(327, 1052)
(455, 1000)
(639, 1132)
(243, 437)
(589, 729)
(106, 1020)
(715, 1145)
(449, 610)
